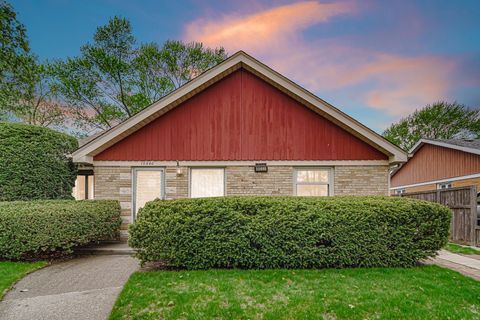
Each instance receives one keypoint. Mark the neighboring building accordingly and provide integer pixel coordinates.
(438, 164)
(238, 129)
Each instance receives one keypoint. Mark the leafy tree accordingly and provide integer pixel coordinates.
(37, 103)
(14, 56)
(25, 93)
(440, 120)
(114, 78)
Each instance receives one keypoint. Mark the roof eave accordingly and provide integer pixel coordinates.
(421, 142)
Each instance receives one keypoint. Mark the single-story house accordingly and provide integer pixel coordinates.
(438, 164)
(239, 128)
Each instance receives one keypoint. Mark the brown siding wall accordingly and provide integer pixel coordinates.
(455, 184)
(434, 163)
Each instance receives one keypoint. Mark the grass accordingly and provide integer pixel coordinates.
(427, 292)
(11, 272)
(456, 248)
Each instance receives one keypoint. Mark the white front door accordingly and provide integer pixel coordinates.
(147, 186)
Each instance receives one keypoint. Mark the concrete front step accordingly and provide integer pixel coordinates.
(109, 248)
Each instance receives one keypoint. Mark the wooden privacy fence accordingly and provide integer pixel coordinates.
(463, 203)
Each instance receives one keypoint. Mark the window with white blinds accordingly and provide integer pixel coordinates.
(313, 182)
(207, 182)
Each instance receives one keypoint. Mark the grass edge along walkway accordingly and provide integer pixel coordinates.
(12, 272)
(456, 248)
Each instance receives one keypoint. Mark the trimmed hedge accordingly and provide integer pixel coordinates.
(35, 163)
(289, 232)
(32, 229)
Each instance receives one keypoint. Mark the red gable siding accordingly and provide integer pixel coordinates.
(435, 163)
(241, 118)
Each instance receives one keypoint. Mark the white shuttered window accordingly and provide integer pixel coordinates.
(207, 182)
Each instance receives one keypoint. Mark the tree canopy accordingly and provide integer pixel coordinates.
(113, 77)
(25, 92)
(14, 55)
(441, 120)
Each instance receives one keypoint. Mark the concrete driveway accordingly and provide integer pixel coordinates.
(82, 288)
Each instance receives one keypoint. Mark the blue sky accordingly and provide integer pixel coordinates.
(375, 60)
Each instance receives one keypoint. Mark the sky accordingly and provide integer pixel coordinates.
(377, 61)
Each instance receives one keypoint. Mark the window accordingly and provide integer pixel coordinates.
(400, 191)
(444, 185)
(148, 186)
(313, 182)
(207, 182)
(83, 188)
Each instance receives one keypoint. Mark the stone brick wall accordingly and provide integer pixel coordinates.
(116, 183)
(245, 181)
(176, 186)
(361, 180)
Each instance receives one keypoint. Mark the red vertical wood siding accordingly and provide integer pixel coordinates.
(241, 117)
(432, 163)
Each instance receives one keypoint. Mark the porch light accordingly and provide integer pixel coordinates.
(179, 170)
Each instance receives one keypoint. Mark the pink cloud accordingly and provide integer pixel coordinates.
(395, 84)
(264, 30)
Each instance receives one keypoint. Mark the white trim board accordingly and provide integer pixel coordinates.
(238, 60)
(471, 176)
(238, 163)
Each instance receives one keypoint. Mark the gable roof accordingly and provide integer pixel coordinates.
(239, 60)
(469, 146)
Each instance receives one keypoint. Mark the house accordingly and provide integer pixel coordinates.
(239, 128)
(438, 164)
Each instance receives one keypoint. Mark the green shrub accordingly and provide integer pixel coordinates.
(35, 163)
(31, 229)
(289, 232)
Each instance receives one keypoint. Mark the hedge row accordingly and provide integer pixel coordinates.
(31, 229)
(289, 232)
(35, 163)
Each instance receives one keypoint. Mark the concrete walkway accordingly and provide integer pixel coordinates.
(82, 288)
(468, 266)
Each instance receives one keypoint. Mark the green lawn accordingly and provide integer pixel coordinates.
(11, 272)
(427, 292)
(456, 248)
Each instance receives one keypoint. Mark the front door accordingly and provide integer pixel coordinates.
(147, 186)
